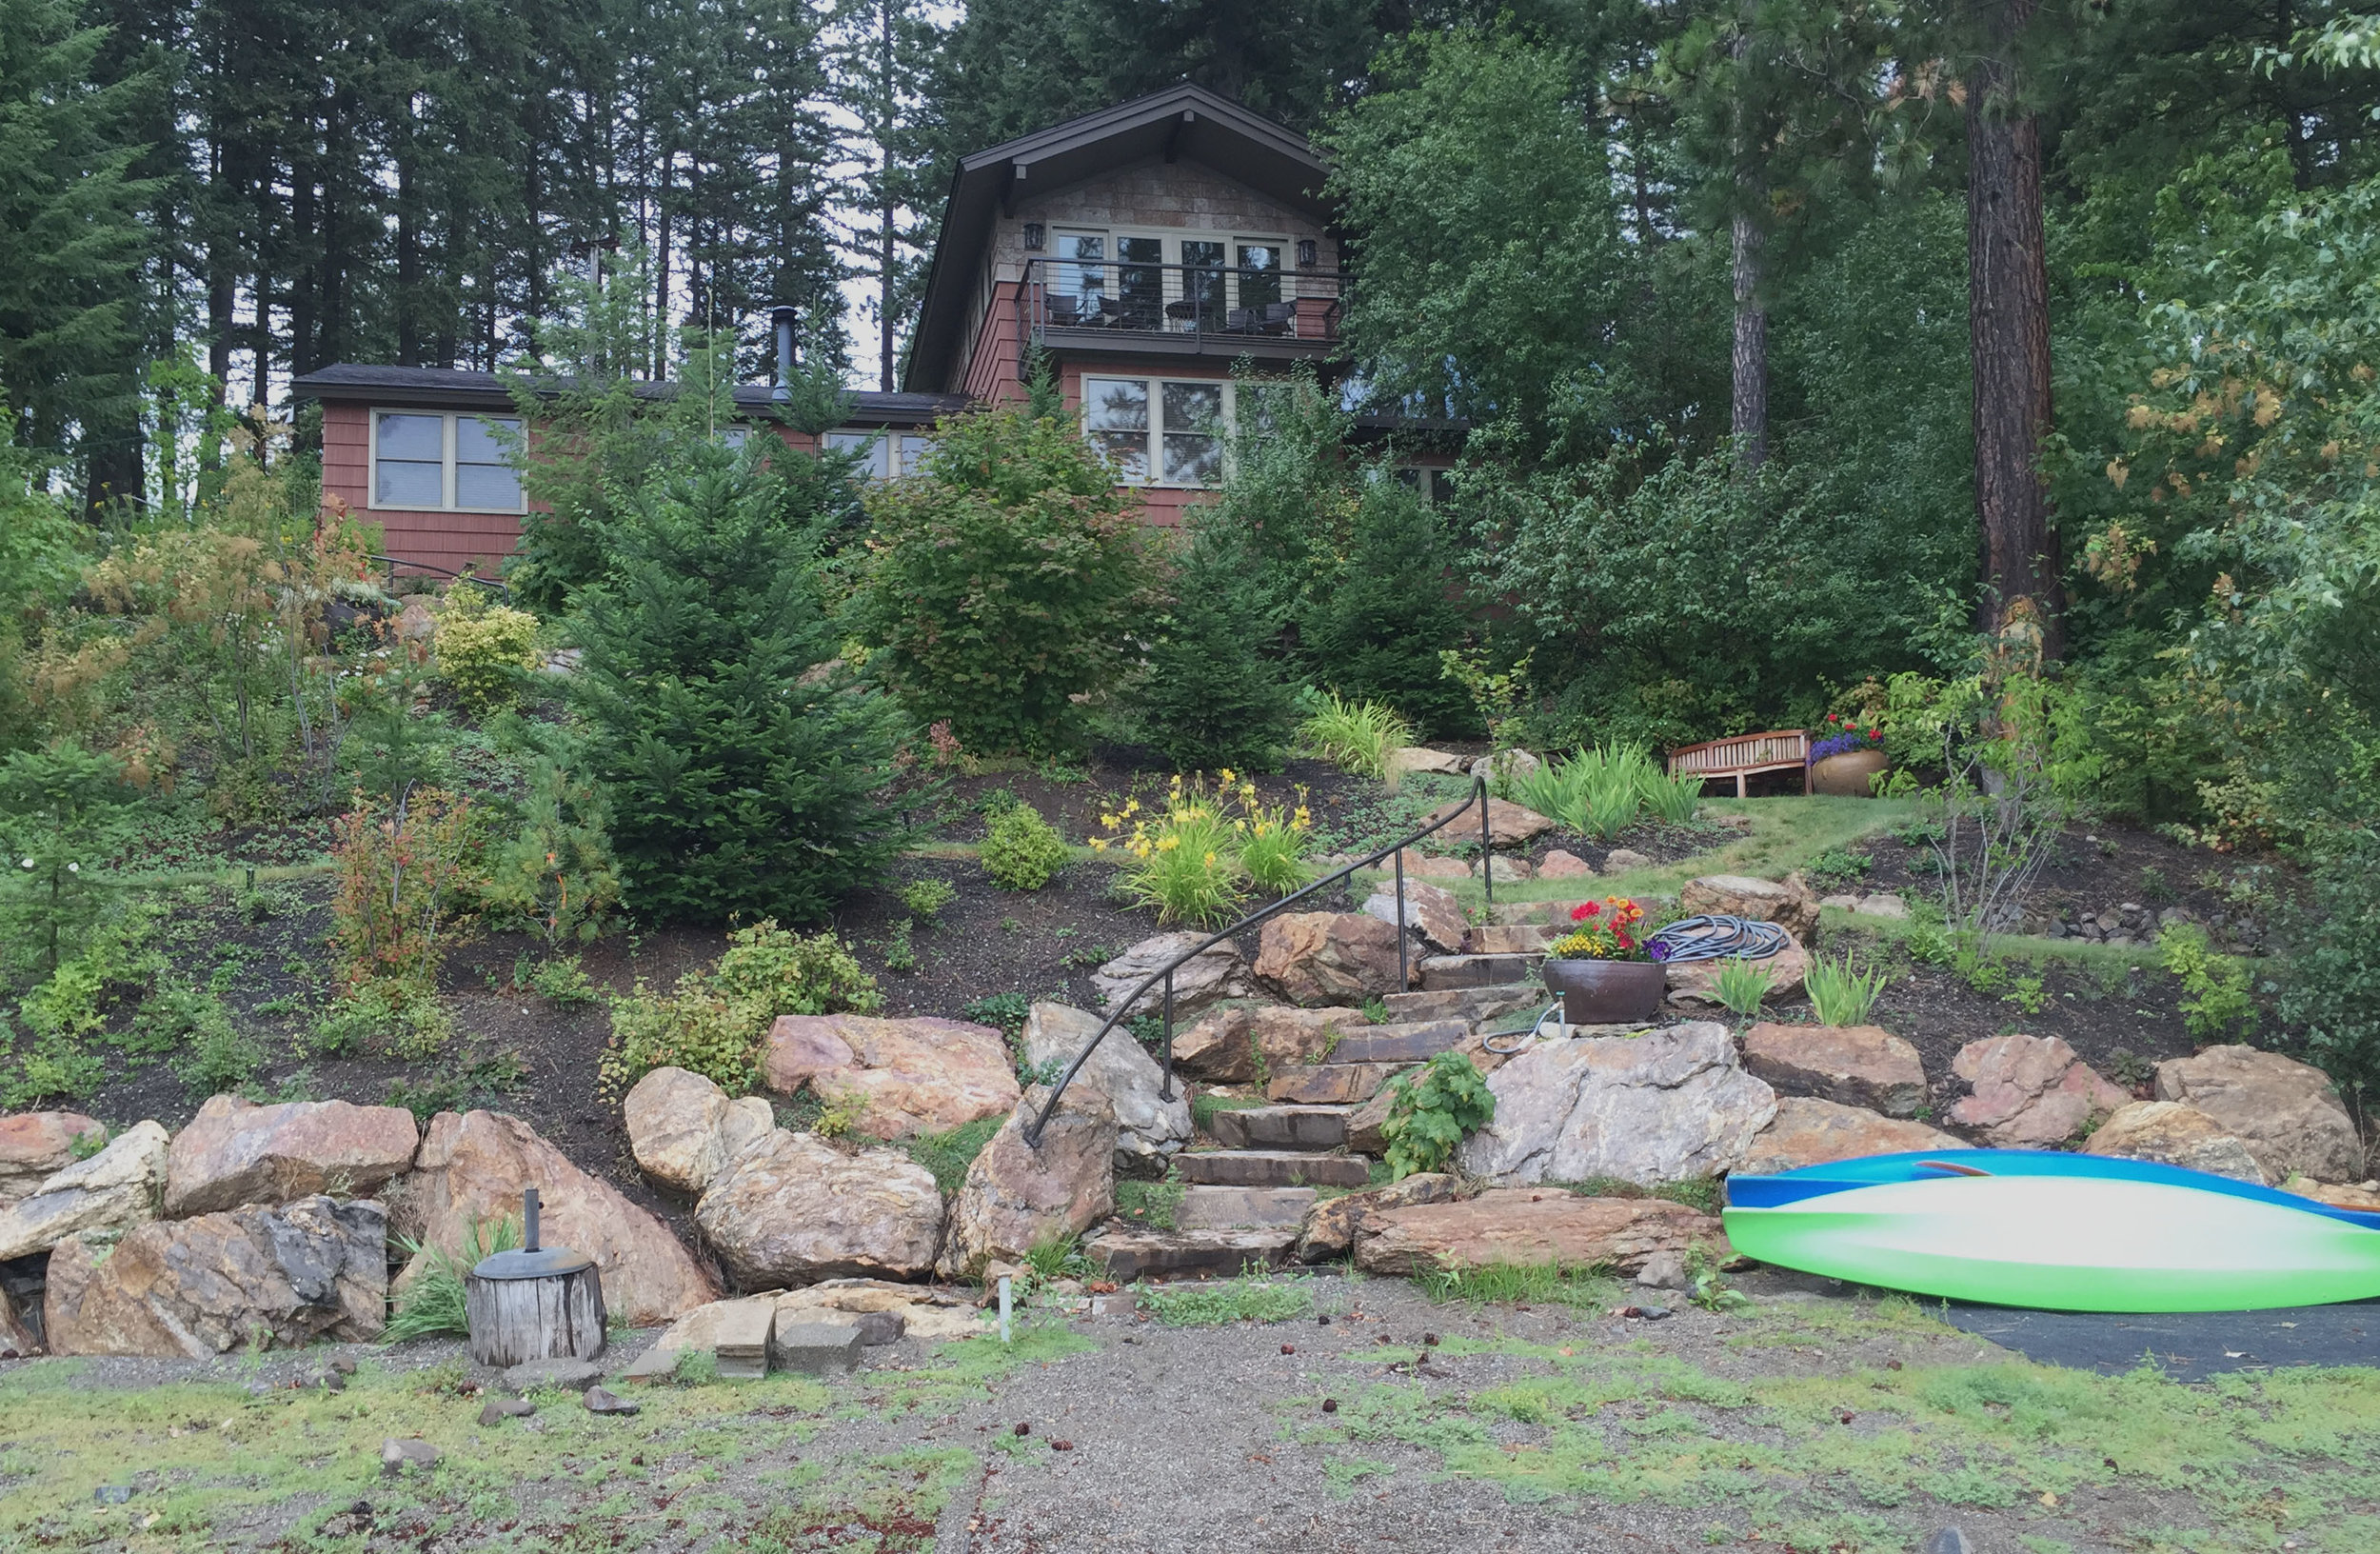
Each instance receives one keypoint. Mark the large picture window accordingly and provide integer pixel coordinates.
(1158, 431)
(1177, 281)
(443, 460)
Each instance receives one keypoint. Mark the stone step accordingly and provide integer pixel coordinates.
(1510, 939)
(1478, 970)
(1241, 1208)
(1329, 1084)
(1282, 1127)
(1124, 1253)
(1467, 1004)
(1414, 1043)
(1272, 1168)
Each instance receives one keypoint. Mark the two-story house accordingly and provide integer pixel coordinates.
(1139, 254)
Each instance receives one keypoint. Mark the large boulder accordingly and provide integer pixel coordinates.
(792, 1209)
(1233, 1046)
(2286, 1111)
(470, 1173)
(1510, 825)
(1670, 1106)
(925, 1311)
(1511, 1225)
(1788, 907)
(1328, 1230)
(1148, 1128)
(683, 1129)
(258, 1276)
(36, 1145)
(2178, 1135)
(1216, 972)
(1857, 1066)
(1696, 984)
(918, 1075)
(1411, 757)
(235, 1152)
(115, 1189)
(2029, 1091)
(1811, 1132)
(1432, 909)
(1019, 1195)
(1316, 958)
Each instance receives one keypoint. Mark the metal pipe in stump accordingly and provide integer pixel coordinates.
(538, 1303)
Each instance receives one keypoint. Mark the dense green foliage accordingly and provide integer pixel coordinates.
(1021, 850)
(736, 781)
(1004, 582)
(715, 1022)
(1212, 696)
(1432, 1111)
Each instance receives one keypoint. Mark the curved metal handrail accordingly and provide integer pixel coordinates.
(1165, 972)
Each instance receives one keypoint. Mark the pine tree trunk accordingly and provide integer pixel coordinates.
(2009, 321)
(1749, 402)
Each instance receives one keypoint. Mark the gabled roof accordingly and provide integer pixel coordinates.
(439, 388)
(1183, 121)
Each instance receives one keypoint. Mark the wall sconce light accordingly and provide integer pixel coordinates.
(1306, 253)
(1033, 236)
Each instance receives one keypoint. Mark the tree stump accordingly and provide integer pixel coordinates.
(534, 1304)
(546, 1316)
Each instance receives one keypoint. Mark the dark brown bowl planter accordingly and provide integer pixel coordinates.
(1607, 992)
(1846, 775)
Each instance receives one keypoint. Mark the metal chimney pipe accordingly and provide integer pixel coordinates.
(781, 317)
(528, 1218)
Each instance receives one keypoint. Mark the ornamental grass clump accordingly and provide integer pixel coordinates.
(1841, 994)
(1354, 736)
(1194, 860)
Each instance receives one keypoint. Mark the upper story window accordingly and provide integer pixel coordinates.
(1166, 280)
(884, 454)
(1158, 431)
(443, 460)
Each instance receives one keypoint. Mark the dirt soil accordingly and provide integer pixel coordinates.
(1813, 1420)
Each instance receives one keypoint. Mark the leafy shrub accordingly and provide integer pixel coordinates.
(216, 1054)
(562, 983)
(733, 783)
(713, 1024)
(926, 898)
(483, 650)
(1839, 994)
(1007, 1011)
(1433, 1111)
(55, 1066)
(900, 951)
(354, 1023)
(1009, 578)
(2332, 994)
(404, 878)
(2215, 1003)
(1353, 736)
(1022, 851)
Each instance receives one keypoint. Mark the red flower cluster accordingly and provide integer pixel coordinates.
(1605, 934)
(1850, 728)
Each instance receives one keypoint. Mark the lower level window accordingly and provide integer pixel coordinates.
(884, 454)
(445, 461)
(1158, 431)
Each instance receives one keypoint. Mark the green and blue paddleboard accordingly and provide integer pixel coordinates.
(2056, 1231)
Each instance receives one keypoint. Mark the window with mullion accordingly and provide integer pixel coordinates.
(444, 461)
(1158, 431)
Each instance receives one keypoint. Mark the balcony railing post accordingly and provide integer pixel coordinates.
(1404, 977)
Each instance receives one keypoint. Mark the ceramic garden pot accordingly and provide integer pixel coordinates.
(1607, 992)
(1846, 775)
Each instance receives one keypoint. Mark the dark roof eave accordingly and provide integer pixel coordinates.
(430, 388)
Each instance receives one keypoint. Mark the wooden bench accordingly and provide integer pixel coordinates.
(1779, 750)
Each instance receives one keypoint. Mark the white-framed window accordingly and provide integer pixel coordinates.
(884, 454)
(444, 460)
(1160, 432)
(1157, 279)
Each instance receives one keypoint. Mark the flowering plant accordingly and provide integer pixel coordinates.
(1192, 861)
(1842, 735)
(1607, 930)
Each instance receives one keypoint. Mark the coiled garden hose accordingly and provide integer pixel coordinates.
(1709, 938)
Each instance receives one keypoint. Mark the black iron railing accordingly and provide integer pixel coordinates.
(1165, 973)
(1246, 302)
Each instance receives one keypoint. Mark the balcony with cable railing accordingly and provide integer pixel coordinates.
(1265, 311)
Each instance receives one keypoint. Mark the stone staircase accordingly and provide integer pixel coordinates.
(1244, 1202)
